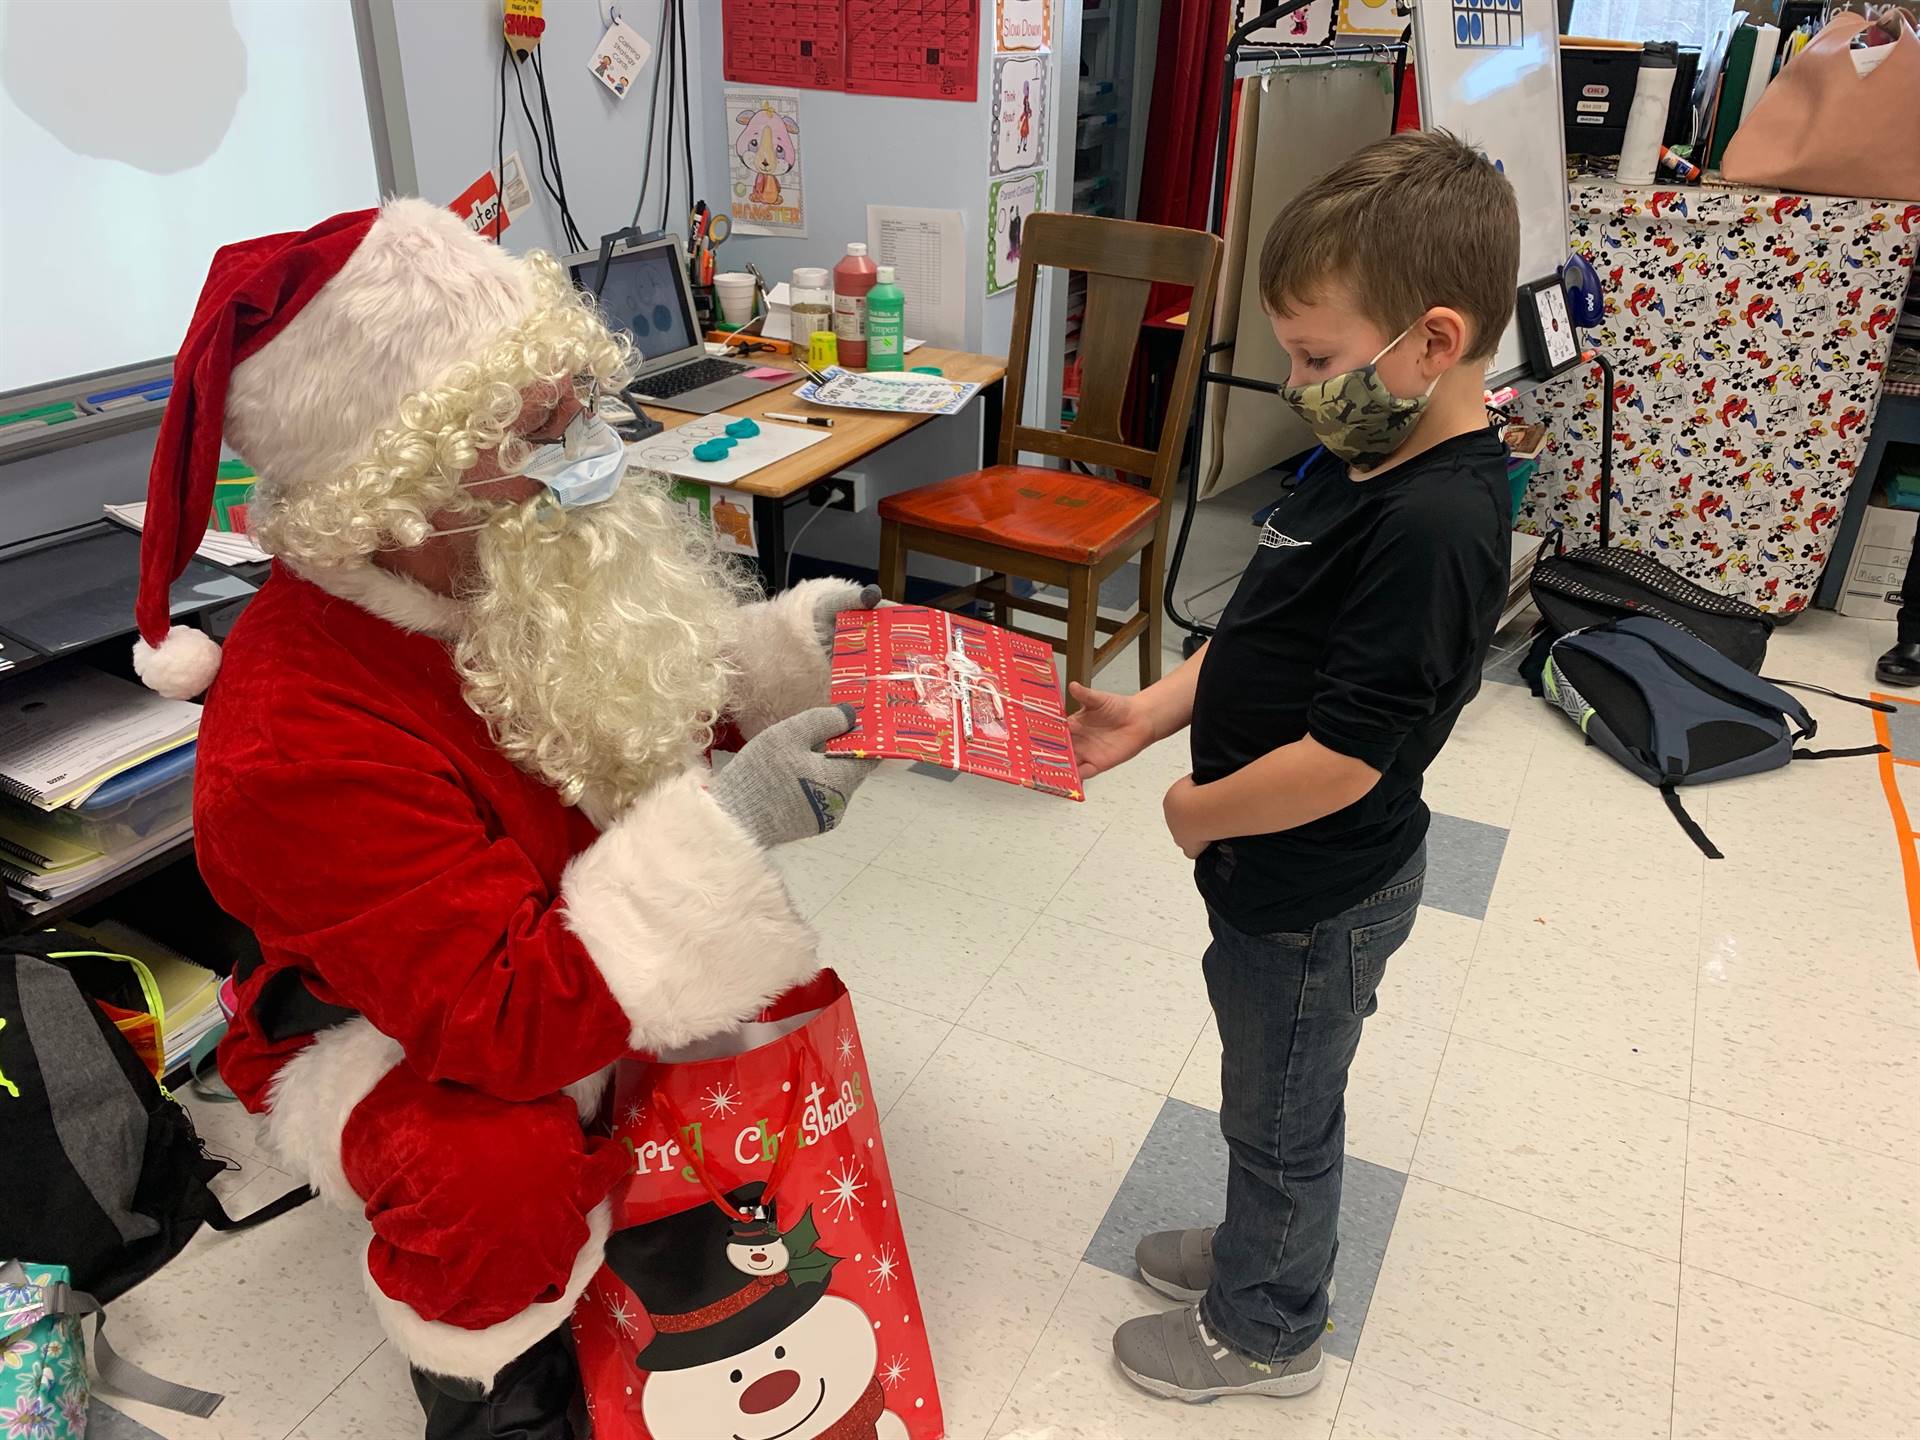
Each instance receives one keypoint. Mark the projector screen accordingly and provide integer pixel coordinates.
(139, 136)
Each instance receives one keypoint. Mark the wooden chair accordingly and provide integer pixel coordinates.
(1062, 527)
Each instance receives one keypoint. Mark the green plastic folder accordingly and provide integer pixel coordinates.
(1733, 90)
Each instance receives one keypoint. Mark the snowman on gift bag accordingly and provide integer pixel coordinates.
(747, 1342)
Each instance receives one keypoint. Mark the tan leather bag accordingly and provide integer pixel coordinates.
(1822, 128)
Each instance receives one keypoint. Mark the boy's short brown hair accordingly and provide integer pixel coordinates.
(1413, 221)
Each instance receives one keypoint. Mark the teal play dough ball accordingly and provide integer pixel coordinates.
(743, 429)
(711, 450)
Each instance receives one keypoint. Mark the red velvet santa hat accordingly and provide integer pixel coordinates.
(301, 347)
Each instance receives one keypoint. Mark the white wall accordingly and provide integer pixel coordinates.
(450, 57)
(858, 150)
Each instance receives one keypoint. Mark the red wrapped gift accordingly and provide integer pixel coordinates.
(953, 692)
(756, 1280)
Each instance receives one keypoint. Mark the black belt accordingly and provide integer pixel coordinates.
(285, 1009)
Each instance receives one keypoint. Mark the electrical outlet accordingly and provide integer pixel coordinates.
(847, 491)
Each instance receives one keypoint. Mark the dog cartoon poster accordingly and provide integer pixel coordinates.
(763, 162)
(1020, 112)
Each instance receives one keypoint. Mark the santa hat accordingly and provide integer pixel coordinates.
(301, 347)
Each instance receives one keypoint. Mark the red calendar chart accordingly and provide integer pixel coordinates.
(926, 49)
(953, 692)
(795, 43)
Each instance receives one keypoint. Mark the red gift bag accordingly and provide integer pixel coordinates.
(756, 1282)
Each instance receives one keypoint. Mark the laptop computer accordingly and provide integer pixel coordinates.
(646, 294)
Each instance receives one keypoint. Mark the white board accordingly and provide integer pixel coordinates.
(1489, 71)
(137, 137)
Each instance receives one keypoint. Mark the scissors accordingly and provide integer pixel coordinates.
(719, 227)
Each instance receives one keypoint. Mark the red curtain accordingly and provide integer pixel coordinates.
(1183, 121)
(1183, 126)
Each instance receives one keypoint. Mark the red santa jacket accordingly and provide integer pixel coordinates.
(353, 813)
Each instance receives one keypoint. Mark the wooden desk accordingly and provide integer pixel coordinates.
(856, 434)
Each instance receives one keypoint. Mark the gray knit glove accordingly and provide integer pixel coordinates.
(780, 787)
(827, 611)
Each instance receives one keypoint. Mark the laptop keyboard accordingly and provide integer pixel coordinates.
(682, 378)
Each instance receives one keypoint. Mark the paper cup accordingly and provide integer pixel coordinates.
(734, 290)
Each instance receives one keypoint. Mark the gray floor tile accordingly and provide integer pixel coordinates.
(106, 1423)
(1463, 857)
(1179, 1179)
(933, 772)
(1903, 732)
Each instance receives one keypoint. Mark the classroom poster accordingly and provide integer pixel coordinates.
(1312, 25)
(1020, 112)
(729, 513)
(1009, 203)
(763, 162)
(1371, 17)
(1022, 24)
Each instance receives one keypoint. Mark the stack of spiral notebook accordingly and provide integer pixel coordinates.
(95, 777)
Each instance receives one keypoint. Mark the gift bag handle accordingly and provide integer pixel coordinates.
(117, 1374)
(783, 1157)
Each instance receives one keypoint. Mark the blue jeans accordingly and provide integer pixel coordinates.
(1290, 1007)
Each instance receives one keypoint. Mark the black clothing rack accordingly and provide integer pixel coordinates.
(1241, 50)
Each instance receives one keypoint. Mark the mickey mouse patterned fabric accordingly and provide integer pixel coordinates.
(1749, 332)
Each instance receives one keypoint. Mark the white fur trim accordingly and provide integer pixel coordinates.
(312, 1096)
(784, 667)
(181, 666)
(396, 599)
(479, 1355)
(686, 917)
(588, 1093)
(418, 295)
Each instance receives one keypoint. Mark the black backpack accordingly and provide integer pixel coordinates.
(103, 1171)
(1676, 711)
(1599, 583)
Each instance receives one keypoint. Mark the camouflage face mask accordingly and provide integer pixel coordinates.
(1354, 414)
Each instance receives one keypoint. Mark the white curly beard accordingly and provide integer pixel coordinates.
(595, 642)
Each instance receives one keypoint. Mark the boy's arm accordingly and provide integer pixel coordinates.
(1410, 625)
(1168, 702)
(1292, 786)
(1109, 730)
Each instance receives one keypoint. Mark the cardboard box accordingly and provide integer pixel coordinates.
(1878, 567)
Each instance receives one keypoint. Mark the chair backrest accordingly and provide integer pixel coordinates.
(1122, 260)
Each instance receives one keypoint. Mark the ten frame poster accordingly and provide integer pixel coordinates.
(1020, 112)
(763, 162)
(1009, 203)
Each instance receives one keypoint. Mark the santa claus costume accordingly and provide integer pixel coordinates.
(451, 772)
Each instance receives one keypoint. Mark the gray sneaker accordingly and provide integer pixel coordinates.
(1174, 1354)
(1177, 1262)
(1180, 1263)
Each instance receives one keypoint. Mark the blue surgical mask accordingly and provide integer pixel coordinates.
(584, 467)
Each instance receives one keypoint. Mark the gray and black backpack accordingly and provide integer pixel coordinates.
(1675, 711)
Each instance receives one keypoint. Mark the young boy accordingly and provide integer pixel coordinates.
(1332, 681)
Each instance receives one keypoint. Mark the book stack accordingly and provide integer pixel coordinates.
(1736, 71)
(96, 776)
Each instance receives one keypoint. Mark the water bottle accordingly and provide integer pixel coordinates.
(886, 323)
(1647, 120)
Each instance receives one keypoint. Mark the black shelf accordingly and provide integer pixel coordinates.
(16, 921)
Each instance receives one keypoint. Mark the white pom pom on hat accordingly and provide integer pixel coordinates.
(300, 347)
(181, 666)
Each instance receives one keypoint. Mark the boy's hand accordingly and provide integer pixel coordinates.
(1178, 807)
(1108, 730)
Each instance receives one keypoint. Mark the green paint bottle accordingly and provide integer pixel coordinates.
(886, 323)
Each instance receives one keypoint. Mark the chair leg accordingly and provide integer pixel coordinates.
(893, 562)
(1153, 585)
(1083, 599)
(1002, 616)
